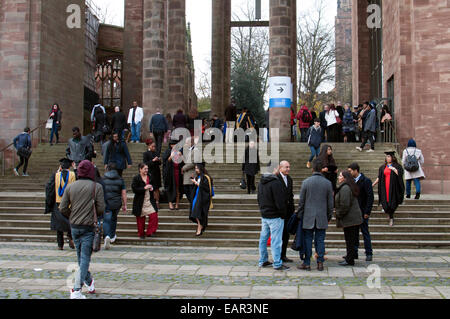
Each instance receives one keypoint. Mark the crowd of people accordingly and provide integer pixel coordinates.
(77, 194)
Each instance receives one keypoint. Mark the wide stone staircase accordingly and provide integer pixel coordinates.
(235, 219)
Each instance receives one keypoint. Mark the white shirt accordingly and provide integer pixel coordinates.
(285, 179)
(137, 117)
(330, 117)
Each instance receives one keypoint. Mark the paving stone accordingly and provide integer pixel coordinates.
(228, 291)
(244, 268)
(359, 290)
(444, 272)
(423, 273)
(377, 296)
(395, 272)
(353, 296)
(320, 292)
(214, 270)
(340, 272)
(238, 274)
(187, 290)
(424, 259)
(445, 291)
(158, 288)
(419, 291)
(168, 271)
(43, 282)
(64, 266)
(189, 267)
(220, 257)
(274, 292)
(107, 267)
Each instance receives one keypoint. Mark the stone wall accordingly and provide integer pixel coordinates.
(41, 62)
(110, 41)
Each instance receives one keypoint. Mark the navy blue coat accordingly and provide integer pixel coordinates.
(120, 158)
(22, 140)
(158, 123)
(366, 197)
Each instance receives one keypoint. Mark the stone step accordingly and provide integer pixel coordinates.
(170, 225)
(166, 217)
(213, 242)
(226, 234)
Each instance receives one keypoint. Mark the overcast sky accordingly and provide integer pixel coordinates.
(198, 13)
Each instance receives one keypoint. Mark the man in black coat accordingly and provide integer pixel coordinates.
(365, 200)
(272, 206)
(323, 122)
(288, 186)
(118, 122)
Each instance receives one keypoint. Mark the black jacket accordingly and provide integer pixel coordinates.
(288, 195)
(118, 122)
(179, 120)
(138, 185)
(366, 197)
(251, 168)
(114, 184)
(323, 121)
(270, 197)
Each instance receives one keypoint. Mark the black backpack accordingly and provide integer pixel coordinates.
(411, 164)
(306, 117)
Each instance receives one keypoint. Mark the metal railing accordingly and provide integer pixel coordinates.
(6, 148)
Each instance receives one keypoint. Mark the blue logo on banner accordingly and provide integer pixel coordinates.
(279, 103)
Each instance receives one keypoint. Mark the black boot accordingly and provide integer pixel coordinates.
(417, 196)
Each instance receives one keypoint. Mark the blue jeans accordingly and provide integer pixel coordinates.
(416, 183)
(110, 223)
(366, 235)
(319, 243)
(54, 132)
(271, 228)
(83, 237)
(314, 152)
(135, 132)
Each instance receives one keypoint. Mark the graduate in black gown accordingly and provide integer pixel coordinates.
(172, 174)
(202, 194)
(330, 168)
(391, 188)
(152, 160)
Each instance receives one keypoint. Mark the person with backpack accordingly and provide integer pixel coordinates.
(314, 138)
(22, 143)
(348, 124)
(412, 162)
(304, 118)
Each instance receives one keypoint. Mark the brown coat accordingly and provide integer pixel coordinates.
(348, 212)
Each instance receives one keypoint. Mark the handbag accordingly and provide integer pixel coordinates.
(243, 184)
(49, 124)
(97, 243)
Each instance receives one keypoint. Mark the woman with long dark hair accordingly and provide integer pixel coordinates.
(172, 174)
(331, 116)
(391, 187)
(55, 115)
(348, 215)
(152, 160)
(202, 195)
(144, 203)
(330, 168)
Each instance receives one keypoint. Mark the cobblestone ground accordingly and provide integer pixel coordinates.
(39, 270)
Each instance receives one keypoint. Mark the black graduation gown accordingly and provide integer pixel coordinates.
(248, 168)
(201, 199)
(169, 177)
(58, 221)
(154, 168)
(396, 189)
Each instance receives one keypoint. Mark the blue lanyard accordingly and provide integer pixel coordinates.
(61, 190)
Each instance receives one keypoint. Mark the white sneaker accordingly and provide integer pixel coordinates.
(359, 149)
(107, 242)
(113, 239)
(370, 151)
(91, 288)
(76, 294)
(16, 172)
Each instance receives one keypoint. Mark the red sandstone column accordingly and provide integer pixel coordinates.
(154, 40)
(227, 58)
(282, 57)
(176, 56)
(217, 57)
(132, 53)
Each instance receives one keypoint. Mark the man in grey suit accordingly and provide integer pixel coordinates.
(316, 210)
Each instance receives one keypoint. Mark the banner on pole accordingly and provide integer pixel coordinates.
(280, 91)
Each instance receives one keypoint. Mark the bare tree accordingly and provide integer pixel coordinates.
(316, 53)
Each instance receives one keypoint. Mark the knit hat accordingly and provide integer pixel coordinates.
(86, 170)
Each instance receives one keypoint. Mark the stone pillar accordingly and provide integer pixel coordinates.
(221, 56)
(154, 40)
(132, 54)
(282, 27)
(176, 56)
(360, 52)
